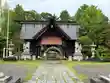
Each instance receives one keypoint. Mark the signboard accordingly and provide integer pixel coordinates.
(51, 40)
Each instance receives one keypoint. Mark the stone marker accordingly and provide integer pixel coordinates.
(9, 79)
(95, 80)
(104, 79)
(4, 79)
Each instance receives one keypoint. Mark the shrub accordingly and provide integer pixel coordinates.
(10, 59)
(86, 51)
(104, 53)
(85, 40)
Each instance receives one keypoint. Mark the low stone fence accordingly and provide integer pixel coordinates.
(100, 79)
(9, 79)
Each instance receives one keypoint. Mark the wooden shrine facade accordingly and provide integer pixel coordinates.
(38, 36)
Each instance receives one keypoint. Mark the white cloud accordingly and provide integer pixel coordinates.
(56, 6)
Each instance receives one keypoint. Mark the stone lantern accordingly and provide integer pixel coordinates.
(11, 48)
(93, 49)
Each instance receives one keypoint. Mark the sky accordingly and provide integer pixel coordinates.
(56, 6)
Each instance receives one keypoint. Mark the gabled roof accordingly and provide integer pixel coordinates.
(43, 30)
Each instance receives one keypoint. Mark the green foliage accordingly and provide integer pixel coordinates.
(92, 21)
(16, 14)
(80, 12)
(19, 12)
(104, 52)
(2, 43)
(94, 24)
(85, 40)
(45, 15)
(64, 15)
(32, 15)
(104, 36)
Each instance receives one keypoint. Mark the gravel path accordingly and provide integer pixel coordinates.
(52, 72)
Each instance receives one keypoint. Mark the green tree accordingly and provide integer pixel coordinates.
(32, 15)
(19, 12)
(80, 12)
(64, 15)
(92, 21)
(85, 40)
(45, 15)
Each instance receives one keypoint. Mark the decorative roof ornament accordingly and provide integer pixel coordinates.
(52, 22)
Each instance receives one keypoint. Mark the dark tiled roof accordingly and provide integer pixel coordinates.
(40, 21)
(71, 31)
(69, 27)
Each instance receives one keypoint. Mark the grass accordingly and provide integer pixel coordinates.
(30, 65)
(72, 64)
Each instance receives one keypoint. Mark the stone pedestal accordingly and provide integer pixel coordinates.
(69, 58)
(10, 53)
(29, 57)
(33, 57)
(45, 57)
(3, 52)
(86, 57)
(10, 49)
(38, 57)
(78, 55)
(64, 57)
(24, 57)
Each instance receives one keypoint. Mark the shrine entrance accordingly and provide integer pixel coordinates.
(53, 53)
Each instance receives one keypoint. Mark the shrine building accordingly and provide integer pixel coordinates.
(51, 36)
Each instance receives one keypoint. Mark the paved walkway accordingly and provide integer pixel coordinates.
(52, 72)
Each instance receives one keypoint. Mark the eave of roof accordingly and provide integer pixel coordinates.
(45, 22)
